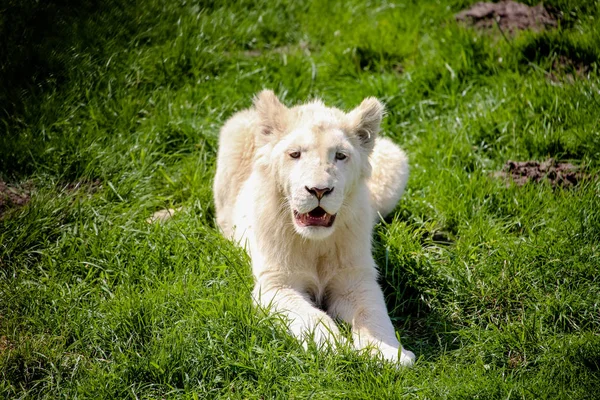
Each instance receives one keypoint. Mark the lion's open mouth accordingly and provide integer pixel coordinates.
(316, 217)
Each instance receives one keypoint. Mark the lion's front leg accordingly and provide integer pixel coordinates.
(305, 321)
(358, 300)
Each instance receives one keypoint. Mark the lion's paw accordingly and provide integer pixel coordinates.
(323, 334)
(326, 337)
(401, 357)
(407, 358)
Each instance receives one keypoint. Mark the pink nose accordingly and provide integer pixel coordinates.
(319, 192)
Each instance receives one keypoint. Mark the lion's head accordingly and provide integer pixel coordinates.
(317, 155)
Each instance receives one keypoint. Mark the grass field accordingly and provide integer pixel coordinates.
(110, 110)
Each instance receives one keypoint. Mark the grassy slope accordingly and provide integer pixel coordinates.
(96, 303)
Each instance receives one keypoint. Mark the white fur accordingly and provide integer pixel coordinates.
(259, 185)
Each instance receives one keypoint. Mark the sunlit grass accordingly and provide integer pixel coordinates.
(112, 112)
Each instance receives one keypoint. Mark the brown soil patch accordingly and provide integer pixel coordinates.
(565, 69)
(516, 360)
(5, 344)
(12, 196)
(558, 174)
(509, 15)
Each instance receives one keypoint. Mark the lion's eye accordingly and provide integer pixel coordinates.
(295, 154)
(340, 156)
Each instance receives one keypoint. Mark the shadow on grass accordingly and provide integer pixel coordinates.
(41, 44)
(49, 45)
(412, 286)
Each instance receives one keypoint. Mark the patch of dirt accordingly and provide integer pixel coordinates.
(516, 360)
(12, 196)
(565, 69)
(558, 174)
(509, 15)
(5, 344)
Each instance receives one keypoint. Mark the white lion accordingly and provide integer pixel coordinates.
(301, 188)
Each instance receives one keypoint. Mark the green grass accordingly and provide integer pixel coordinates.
(126, 99)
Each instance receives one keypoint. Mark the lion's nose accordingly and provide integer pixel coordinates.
(319, 192)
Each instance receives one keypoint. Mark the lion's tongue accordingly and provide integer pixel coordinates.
(317, 217)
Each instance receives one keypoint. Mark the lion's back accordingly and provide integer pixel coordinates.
(234, 164)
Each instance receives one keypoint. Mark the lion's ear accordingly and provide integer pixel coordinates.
(272, 113)
(364, 121)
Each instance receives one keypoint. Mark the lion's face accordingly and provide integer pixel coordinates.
(317, 168)
(317, 155)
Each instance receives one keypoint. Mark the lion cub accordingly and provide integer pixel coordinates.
(301, 189)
